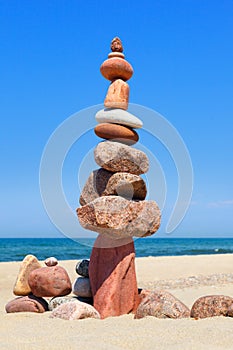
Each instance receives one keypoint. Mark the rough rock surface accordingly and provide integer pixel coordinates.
(57, 301)
(116, 45)
(118, 116)
(29, 264)
(113, 278)
(82, 268)
(29, 303)
(116, 132)
(212, 305)
(82, 287)
(117, 95)
(116, 68)
(161, 304)
(117, 157)
(49, 282)
(75, 310)
(104, 183)
(118, 217)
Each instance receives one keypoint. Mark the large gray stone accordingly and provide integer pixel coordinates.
(118, 217)
(105, 183)
(82, 287)
(117, 157)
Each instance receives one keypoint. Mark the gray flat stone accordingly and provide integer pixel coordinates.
(118, 116)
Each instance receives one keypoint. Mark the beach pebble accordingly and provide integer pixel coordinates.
(29, 303)
(117, 157)
(50, 281)
(104, 183)
(51, 261)
(28, 264)
(113, 278)
(75, 310)
(118, 116)
(117, 95)
(82, 268)
(82, 287)
(116, 68)
(212, 305)
(116, 132)
(161, 304)
(118, 217)
(116, 54)
(57, 301)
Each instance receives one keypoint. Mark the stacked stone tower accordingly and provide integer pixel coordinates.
(113, 198)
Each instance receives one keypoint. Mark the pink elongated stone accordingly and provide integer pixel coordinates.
(113, 277)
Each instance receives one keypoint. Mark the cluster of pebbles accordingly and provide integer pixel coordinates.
(48, 289)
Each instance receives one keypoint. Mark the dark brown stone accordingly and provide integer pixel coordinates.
(29, 303)
(113, 278)
(161, 304)
(117, 157)
(50, 282)
(212, 305)
(104, 183)
(118, 217)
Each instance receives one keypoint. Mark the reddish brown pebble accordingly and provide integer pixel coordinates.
(116, 45)
(50, 282)
(161, 304)
(28, 303)
(117, 95)
(116, 68)
(212, 305)
(113, 278)
(116, 132)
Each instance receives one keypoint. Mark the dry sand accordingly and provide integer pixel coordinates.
(24, 331)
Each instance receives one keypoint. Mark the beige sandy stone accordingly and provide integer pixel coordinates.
(29, 264)
(117, 95)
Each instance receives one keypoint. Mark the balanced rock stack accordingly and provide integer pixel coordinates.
(112, 200)
(34, 283)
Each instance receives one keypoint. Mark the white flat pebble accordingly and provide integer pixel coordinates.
(118, 116)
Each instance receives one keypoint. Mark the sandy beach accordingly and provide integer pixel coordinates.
(187, 277)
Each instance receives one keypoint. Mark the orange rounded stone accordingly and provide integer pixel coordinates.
(116, 68)
(116, 132)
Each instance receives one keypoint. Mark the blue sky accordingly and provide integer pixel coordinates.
(182, 55)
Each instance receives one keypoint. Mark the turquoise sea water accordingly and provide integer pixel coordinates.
(14, 249)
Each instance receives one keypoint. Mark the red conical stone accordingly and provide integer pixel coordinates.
(113, 277)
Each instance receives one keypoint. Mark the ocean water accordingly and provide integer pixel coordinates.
(14, 249)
